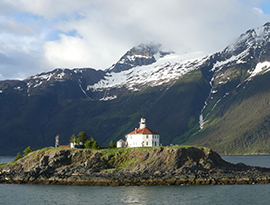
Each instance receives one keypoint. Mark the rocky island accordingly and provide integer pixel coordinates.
(130, 166)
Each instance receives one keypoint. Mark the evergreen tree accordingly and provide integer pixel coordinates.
(89, 143)
(27, 151)
(112, 145)
(96, 145)
(82, 137)
(18, 156)
(73, 138)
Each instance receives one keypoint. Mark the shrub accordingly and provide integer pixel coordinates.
(27, 151)
(112, 145)
(18, 156)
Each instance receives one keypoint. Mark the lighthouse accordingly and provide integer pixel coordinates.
(142, 123)
(142, 136)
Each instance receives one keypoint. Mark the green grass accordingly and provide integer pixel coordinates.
(240, 123)
(126, 163)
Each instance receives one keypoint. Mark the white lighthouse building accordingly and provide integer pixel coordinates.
(142, 136)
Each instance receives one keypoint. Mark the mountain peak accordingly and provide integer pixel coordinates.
(146, 49)
(251, 39)
(143, 54)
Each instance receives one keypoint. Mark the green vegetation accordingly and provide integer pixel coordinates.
(95, 145)
(237, 118)
(27, 151)
(240, 123)
(73, 138)
(83, 138)
(18, 156)
(112, 145)
(171, 110)
(89, 143)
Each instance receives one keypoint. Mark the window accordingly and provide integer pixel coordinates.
(146, 143)
(146, 136)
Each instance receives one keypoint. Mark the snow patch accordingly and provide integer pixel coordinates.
(133, 57)
(29, 84)
(38, 84)
(78, 70)
(162, 71)
(108, 98)
(201, 122)
(261, 68)
(234, 59)
(60, 75)
(18, 88)
(44, 76)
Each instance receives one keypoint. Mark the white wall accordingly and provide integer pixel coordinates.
(135, 140)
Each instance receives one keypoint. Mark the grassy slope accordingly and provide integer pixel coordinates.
(240, 123)
(175, 116)
(121, 154)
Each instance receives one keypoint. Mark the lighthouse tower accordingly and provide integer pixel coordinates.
(142, 123)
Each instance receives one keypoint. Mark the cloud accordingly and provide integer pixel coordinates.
(92, 33)
(260, 11)
(112, 27)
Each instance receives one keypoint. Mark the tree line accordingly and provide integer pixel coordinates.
(83, 138)
(88, 142)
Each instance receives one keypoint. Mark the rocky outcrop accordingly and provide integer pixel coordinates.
(134, 166)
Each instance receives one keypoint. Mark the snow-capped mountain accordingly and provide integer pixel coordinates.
(140, 67)
(148, 65)
(220, 100)
(162, 70)
(138, 56)
(237, 64)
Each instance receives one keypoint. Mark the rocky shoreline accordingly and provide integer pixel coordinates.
(130, 167)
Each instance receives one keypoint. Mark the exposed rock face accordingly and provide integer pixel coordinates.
(138, 56)
(157, 166)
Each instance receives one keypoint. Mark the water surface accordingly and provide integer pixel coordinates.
(11, 194)
(253, 160)
(58, 194)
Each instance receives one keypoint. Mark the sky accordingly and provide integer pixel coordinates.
(38, 36)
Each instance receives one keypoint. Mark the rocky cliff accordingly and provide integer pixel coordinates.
(134, 166)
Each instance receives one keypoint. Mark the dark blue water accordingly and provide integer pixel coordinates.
(218, 194)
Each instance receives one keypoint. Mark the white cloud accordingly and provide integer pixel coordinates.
(92, 33)
(260, 11)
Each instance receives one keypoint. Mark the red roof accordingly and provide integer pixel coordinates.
(143, 131)
(64, 146)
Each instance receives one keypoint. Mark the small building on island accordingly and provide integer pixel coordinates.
(120, 143)
(140, 137)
